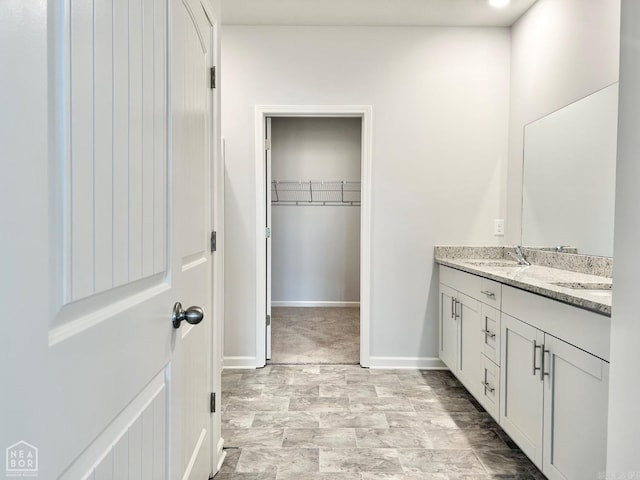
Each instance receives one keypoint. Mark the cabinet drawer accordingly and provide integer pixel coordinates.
(461, 281)
(490, 322)
(489, 396)
(586, 330)
(483, 289)
(491, 292)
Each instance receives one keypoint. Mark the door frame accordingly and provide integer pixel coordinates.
(365, 113)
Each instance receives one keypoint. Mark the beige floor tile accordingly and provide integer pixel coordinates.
(377, 404)
(392, 438)
(253, 437)
(271, 404)
(353, 420)
(319, 404)
(286, 420)
(369, 379)
(253, 460)
(319, 437)
(237, 420)
(317, 476)
(347, 391)
(359, 460)
(440, 461)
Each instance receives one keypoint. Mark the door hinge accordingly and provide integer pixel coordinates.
(268, 320)
(267, 232)
(213, 77)
(212, 403)
(214, 242)
(267, 144)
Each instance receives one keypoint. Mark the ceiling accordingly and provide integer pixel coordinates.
(372, 12)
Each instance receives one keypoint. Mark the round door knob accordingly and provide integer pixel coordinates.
(192, 315)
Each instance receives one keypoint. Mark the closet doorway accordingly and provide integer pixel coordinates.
(313, 235)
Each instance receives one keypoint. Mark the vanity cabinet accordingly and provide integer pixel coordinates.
(555, 391)
(538, 366)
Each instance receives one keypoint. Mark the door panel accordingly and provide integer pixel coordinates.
(576, 407)
(521, 396)
(95, 174)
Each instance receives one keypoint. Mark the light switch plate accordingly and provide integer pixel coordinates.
(498, 227)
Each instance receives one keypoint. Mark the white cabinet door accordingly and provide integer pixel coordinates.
(575, 405)
(470, 343)
(521, 395)
(448, 328)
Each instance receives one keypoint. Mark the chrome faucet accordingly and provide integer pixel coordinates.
(518, 255)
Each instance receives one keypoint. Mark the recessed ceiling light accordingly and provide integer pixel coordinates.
(499, 3)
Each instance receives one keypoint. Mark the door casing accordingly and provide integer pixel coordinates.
(365, 113)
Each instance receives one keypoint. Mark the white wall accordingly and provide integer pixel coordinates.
(315, 249)
(440, 100)
(561, 51)
(623, 459)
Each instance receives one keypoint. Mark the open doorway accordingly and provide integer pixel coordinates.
(314, 218)
(313, 288)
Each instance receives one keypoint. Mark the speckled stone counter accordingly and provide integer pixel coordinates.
(580, 280)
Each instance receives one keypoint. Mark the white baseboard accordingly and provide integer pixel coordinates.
(286, 303)
(239, 362)
(423, 363)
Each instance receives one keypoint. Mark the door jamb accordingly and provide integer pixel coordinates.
(365, 113)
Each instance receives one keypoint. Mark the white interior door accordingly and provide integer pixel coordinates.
(267, 159)
(109, 226)
(192, 155)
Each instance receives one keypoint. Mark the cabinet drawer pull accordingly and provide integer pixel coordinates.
(488, 387)
(489, 294)
(488, 333)
(535, 347)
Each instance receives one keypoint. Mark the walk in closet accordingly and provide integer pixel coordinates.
(315, 239)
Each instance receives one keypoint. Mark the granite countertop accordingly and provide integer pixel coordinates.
(567, 286)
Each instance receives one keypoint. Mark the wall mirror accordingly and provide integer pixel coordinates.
(569, 175)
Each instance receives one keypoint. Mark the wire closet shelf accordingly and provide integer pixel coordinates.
(338, 193)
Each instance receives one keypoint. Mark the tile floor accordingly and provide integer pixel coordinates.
(343, 422)
(315, 335)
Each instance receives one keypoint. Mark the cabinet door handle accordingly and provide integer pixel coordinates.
(458, 315)
(536, 347)
(489, 294)
(488, 387)
(488, 333)
(453, 315)
(542, 372)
